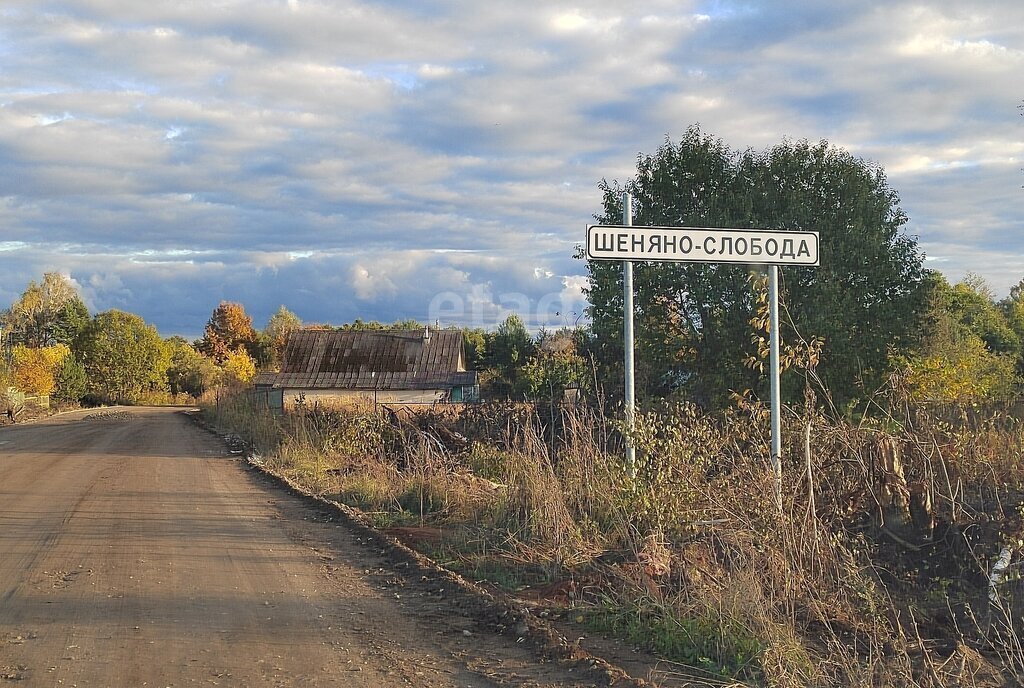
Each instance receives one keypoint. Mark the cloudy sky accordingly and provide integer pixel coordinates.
(436, 159)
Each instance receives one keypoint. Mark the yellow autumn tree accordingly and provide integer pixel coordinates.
(239, 365)
(35, 369)
(229, 328)
(964, 372)
(966, 357)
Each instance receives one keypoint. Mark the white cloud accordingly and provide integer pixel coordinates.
(361, 159)
(576, 21)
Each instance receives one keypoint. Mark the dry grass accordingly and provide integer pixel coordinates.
(686, 552)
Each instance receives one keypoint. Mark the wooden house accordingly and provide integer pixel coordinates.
(384, 366)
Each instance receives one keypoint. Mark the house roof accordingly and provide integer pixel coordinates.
(372, 359)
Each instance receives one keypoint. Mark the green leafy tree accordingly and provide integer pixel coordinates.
(509, 347)
(404, 324)
(1012, 308)
(693, 319)
(966, 355)
(122, 356)
(360, 324)
(281, 324)
(474, 341)
(971, 304)
(71, 317)
(46, 314)
(261, 351)
(970, 353)
(690, 319)
(71, 381)
(189, 371)
(556, 366)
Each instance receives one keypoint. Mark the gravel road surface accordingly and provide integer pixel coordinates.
(135, 551)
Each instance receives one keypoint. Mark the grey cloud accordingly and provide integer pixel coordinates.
(360, 159)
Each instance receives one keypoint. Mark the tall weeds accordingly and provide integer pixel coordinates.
(875, 573)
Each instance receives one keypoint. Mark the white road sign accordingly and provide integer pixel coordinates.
(702, 245)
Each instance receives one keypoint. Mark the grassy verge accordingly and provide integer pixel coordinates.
(875, 573)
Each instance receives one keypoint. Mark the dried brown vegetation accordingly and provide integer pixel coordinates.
(883, 568)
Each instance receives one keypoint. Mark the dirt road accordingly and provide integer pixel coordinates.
(135, 551)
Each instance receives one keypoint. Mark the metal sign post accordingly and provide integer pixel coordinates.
(774, 341)
(704, 245)
(627, 338)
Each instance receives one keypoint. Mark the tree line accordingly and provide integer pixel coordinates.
(870, 318)
(53, 346)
